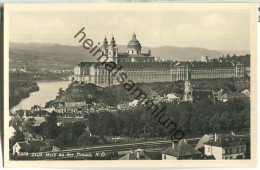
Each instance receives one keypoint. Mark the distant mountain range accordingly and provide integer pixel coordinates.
(49, 55)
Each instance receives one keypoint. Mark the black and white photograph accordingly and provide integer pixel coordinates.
(118, 82)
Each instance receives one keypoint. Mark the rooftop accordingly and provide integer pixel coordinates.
(225, 141)
(182, 149)
(235, 95)
(32, 143)
(134, 156)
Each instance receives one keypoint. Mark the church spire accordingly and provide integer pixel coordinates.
(113, 42)
(134, 35)
(105, 40)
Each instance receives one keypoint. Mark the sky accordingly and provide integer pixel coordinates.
(211, 29)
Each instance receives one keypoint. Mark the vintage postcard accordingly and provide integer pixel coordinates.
(130, 85)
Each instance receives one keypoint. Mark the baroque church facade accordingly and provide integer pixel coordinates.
(144, 67)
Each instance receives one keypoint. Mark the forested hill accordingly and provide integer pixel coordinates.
(64, 56)
(20, 89)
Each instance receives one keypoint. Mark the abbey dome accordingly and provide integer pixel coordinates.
(134, 46)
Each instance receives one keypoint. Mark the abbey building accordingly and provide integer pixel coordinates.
(144, 67)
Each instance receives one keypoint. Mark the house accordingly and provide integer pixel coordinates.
(133, 103)
(203, 95)
(123, 106)
(172, 98)
(200, 145)
(41, 113)
(31, 146)
(59, 107)
(225, 147)
(36, 108)
(182, 151)
(246, 92)
(75, 107)
(23, 113)
(233, 96)
(138, 154)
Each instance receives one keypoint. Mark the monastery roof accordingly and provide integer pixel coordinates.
(182, 149)
(129, 65)
(211, 64)
(125, 55)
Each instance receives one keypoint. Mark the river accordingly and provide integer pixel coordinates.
(47, 91)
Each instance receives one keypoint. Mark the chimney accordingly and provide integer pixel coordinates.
(173, 145)
(138, 154)
(215, 137)
(24, 113)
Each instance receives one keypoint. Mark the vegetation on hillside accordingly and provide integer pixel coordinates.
(20, 89)
(244, 59)
(116, 94)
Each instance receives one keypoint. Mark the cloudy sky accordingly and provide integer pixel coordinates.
(217, 30)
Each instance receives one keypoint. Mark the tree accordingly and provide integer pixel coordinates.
(228, 56)
(18, 137)
(30, 124)
(50, 128)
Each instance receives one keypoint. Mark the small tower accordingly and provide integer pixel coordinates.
(187, 87)
(112, 51)
(149, 51)
(104, 46)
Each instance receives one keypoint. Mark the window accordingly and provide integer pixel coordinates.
(164, 156)
(230, 151)
(226, 151)
(132, 51)
(237, 149)
(242, 149)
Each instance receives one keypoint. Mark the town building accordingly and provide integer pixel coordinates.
(144, 67)
(31, 146)
(233, 96)
(181, 151)
(75, 107)
(225, 147)
(138, 154)
(123, 106)
(171, 98)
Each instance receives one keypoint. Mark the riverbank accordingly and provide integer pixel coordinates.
(47, 91)
(20, 89)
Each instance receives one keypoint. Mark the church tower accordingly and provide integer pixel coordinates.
(187, 87)
(112, 51)
(104, 47)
